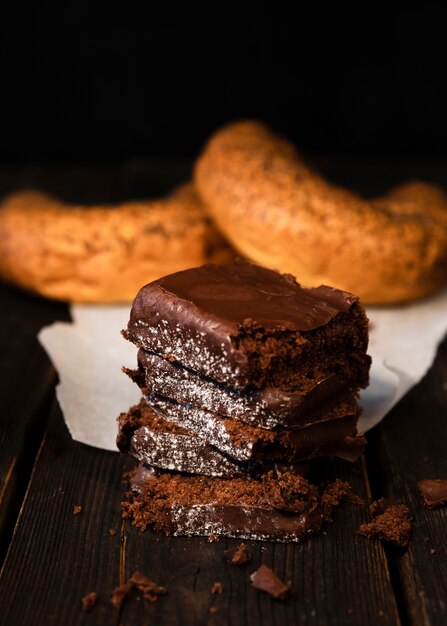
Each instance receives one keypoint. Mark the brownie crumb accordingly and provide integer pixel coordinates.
(89, 601)
(266, 580)
(213, 538)
(288, 492)
(119, 594)
(391, 522)
(335, 493)
(217, 587)
(150, 590)
(77, 509)
(432, 551)
(239, 555)
(433, 492)
(112, 532)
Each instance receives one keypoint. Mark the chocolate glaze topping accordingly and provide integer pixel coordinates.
(223, 296)
(198, 316)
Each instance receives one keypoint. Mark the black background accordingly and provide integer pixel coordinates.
(87, 82)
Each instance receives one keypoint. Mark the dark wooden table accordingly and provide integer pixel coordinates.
(51, 558)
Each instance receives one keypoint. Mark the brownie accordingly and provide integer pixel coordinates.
(247, 326)
(331, 435)
(200, 505)
(268, 407)
(155, 441)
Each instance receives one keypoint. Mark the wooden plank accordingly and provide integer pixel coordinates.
(411, 444)
(56, 557)
(26, 387)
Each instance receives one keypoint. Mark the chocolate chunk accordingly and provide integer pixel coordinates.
(89, 601)
(244, 325)
(433, 491)
(392, 522)
(266, 580)
(268, 407)
(238, 555)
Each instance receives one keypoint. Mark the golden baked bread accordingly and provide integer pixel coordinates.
(101, 253)
(278, 212)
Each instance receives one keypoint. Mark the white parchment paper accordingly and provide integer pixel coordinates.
(89, 353)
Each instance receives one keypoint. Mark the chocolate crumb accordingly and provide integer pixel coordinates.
(89, 601)
(150, 590)
(213, 609)
(289, 492)
(266, 580)
(335, 493)
(213, 538)
(119, 594)
(239, 555)
(392, 522)
(433, 492)
(432, 551)
(217, 587)
(77, 509)
(112, 532)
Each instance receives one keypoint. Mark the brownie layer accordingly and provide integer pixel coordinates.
(239, 507)
(155, 441)
(244, 326)
(269, 407)
(334, 434)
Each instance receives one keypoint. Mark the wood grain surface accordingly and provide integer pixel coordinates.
(410, 445)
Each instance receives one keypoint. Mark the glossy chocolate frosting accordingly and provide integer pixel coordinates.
(225, 296)
(196, 316)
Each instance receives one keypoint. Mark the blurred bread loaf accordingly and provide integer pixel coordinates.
(102, 253)
(280, 213)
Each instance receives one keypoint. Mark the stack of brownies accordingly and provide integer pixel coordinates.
(244, 374)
